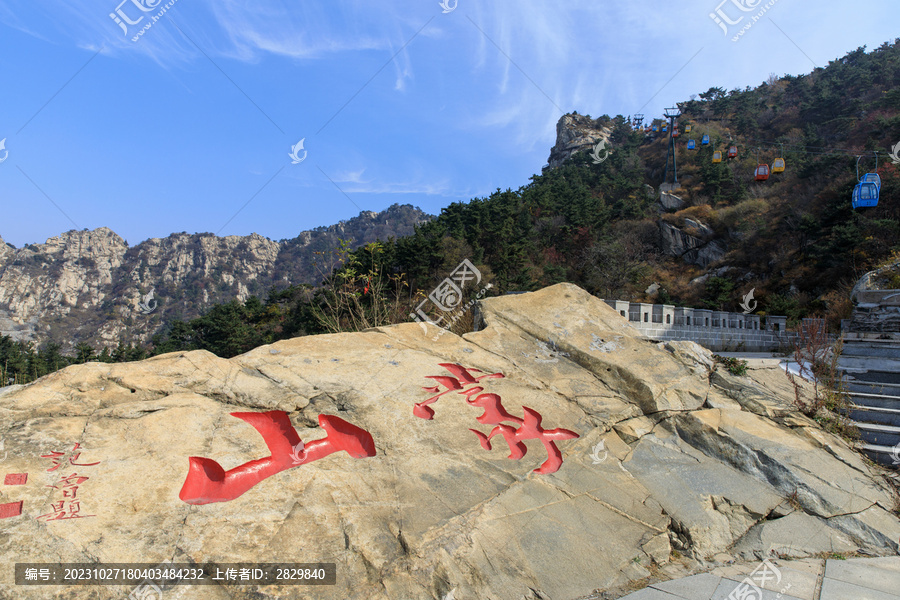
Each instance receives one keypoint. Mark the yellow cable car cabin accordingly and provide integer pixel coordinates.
(778, 165)
(688, 127)
(717, 156)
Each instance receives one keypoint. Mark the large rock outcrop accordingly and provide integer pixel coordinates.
(671, 455)
(575, 133)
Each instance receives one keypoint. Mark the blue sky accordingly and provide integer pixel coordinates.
(190, 127)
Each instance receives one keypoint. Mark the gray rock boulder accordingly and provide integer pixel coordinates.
(670, 201)
(692, 244)
(434, 514)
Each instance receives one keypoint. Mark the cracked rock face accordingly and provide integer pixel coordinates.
(670, 456)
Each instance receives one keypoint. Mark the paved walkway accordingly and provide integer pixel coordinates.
(811, 579)
(758, 360)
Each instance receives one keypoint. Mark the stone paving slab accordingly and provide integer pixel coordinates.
(727, 587)
(799, 577)
(852, 579)
(653, 594)
(868, 574)
(832, 589)
(696, 586)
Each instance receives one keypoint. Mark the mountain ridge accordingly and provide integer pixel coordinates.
(88, 285)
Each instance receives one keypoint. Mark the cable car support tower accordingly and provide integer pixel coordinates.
(672, 114)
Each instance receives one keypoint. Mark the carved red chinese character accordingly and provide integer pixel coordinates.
(72, 480)
(57, 458)
(63, 510)
(463, 378)
(69, 507)
(208, 482)
(530, 430)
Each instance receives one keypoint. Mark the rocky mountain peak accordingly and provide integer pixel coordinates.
(74, 244)
(576, 133)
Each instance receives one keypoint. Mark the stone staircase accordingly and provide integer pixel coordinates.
(870, 362)
(875, 409)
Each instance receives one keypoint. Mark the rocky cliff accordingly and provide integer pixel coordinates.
(576, 133)
(550, 455)
(91, 286)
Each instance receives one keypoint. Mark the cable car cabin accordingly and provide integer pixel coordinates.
(762, 172)
(655, 128)
(865, 194)
(665, 128)
(872, 178)
(732, 152)
(778, 165)
(705, 140)
(687, 128)
(675, 133)
(692, 145)
(717, 156)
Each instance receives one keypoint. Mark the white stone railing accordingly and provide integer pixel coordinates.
(717, 330)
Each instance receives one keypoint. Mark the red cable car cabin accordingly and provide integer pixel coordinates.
(732, 152)
(762, 172)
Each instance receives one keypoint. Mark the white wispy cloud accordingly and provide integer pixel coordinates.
(428, 188)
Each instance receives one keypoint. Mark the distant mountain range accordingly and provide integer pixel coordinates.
(91, 286)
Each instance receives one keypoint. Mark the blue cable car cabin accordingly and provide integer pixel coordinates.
(705, 140)
(692, 145)
(665, 128)
(865, 195)
(872, 178)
